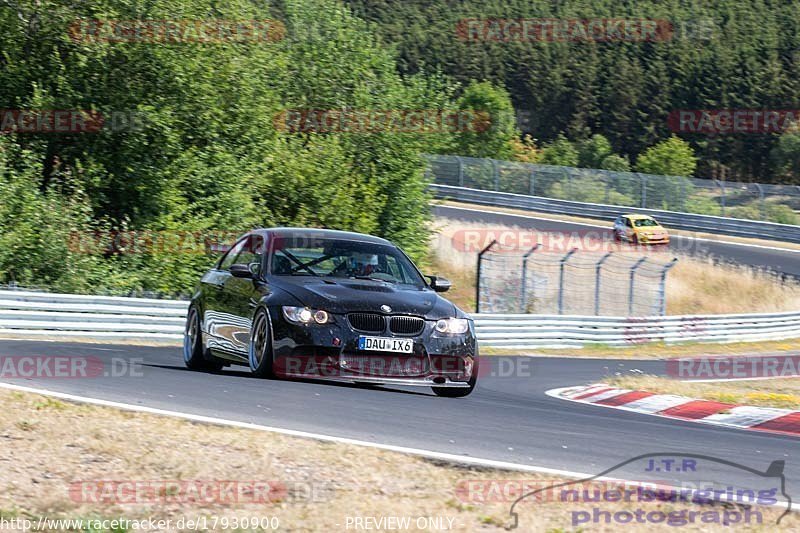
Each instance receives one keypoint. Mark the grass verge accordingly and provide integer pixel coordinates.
(51, 447)
(662, 351)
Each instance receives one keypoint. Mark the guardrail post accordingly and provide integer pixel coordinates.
(460, 171)
(522, 296)
(631, 283)
(561, 266)
(597, 270)
(662, 288)
(478, 277)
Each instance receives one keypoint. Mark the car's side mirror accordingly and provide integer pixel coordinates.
(240, 270)
(440, 284)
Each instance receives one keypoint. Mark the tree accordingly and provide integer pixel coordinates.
(672, 157)
(785, 157)
(560, 152)
(596, 152)
(496, 123)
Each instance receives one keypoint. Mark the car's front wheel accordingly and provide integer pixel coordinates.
(460, 392)
(260, 351)
(193, 345)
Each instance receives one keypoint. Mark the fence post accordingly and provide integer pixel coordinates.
(761, 207)
(597, 268)
(478, 277)
(561, 280)
(523, 296)
(643, 181)
(631, 284)
(460, 172)
(683, 194)
(567, 189)
(495, 174)
(662, 291)
(532, 182)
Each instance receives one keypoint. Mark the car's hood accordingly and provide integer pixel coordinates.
(652, 229)
(344, 296)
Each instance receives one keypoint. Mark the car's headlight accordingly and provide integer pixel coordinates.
(305, 315)
(452, 325)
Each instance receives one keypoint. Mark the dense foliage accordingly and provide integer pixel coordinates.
(722, 54)
(209, 153)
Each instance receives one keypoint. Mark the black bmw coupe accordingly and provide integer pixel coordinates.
(323, 304)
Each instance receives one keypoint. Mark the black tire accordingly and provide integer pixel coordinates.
(460, 392)
(259, 353)
(193, 350)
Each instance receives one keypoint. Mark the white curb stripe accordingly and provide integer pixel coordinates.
(747, 416)
(603, 395)
(740, 417)
(659, 402)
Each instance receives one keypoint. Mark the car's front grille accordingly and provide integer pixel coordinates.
(406, 325)
(385, 365)
(369, 322)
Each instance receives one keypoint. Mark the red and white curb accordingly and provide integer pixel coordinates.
(783, 421)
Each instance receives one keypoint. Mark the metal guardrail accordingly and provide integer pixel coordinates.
(107, 318)
(97, 317)
(562, 331)
(671, 219)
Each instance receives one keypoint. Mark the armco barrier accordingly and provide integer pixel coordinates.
(98, 317)
(564, 331)
(36, 314)
(672, 219)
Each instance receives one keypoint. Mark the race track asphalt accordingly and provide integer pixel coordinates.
(507, 418)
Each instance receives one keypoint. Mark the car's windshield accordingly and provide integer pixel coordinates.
(645, 223)
(340, 258)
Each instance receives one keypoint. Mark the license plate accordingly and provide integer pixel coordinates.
(385, 344)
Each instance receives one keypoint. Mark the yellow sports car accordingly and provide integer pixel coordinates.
(640, 229)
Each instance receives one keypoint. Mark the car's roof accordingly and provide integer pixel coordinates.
(634, 216)
(320, 233)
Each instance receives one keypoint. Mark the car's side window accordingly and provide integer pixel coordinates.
(252, 251)
(233, 253)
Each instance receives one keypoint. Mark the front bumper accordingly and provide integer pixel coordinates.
(661, 239)
(330, 351)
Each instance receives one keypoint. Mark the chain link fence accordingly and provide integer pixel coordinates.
(754, 201)
(572, 283)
